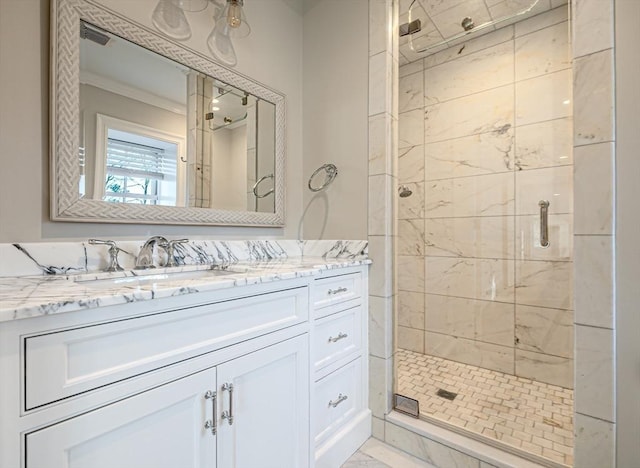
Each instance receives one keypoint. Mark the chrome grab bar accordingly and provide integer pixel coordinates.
(544, 223)
(260, 180)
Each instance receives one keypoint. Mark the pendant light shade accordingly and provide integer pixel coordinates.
(232, 20)
(169, 18)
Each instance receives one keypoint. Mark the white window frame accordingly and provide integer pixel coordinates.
(104, 123)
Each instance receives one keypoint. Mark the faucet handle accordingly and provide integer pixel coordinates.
(170, 247)
(113, 251)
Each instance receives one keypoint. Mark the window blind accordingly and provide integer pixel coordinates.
(133, 159)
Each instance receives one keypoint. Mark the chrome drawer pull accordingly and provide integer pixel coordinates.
(340, 399)
(337, 338)
(211, 423)
(336, 291)
(228, 415)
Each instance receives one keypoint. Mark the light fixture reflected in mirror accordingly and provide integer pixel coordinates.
(229, 22)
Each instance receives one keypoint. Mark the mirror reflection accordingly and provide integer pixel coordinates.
(155, 132)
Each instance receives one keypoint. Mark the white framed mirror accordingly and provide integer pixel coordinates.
(146, 131)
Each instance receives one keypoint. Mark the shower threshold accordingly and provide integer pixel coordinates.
(522, 416)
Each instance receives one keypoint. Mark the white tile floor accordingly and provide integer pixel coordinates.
(377, 454)
(531, 416)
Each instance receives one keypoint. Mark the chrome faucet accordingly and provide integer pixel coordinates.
(144, 260)
(113, 251)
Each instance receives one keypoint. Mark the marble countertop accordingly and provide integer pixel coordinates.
(33, 296)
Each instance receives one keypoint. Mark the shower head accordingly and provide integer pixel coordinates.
(404, 191)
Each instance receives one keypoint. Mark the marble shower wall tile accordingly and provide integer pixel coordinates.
(411, 237)
(411, 68)
(545, 368)
(594, 177)
(593, 98)
(484, 237)
(484, 153)
(554, 184)
(594, 281)
(411, 339)
(486, 69)
(487, 321)
(544, 144)
(544, 284)
(380, 73)
(487, 195)
(472, 278)
(380, 219)
(543, 98)
(470, 47)
(476, 353)
(593, 26)
(595, 372)
(411, 128)
(478, 113)
(411, 273)
(411, 92)
(411, 164)
(594, 442)
(411, 312)
(546, 331)
(380, 126)
(544, 20)
(381, 272)
(380, 320)
(542, 52)
(560, 230)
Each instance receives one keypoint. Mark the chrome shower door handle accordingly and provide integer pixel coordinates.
(228, 415)
(544, 223)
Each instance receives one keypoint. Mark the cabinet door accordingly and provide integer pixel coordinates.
(161, 428)
(269, 407)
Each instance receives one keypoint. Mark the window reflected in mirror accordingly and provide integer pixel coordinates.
(155, 132)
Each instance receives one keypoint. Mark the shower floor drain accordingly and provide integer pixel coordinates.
(446, 394)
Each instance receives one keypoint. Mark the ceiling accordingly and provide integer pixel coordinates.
(441, 21)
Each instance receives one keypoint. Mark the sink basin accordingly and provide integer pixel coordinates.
(147, 279)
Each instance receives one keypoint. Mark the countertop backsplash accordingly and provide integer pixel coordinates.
(67, 258)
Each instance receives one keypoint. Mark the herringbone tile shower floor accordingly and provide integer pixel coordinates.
(533, 416)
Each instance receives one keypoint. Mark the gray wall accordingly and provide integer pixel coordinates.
(335, 117)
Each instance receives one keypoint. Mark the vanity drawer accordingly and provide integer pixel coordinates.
(336, 290)
(62, 364)
(338, 397)
(337, 336)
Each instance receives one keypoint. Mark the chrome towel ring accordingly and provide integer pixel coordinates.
(331, 171)
(255, 187)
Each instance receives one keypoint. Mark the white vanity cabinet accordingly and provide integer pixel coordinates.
(259, 420)
(339, 403)
(270, 375)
